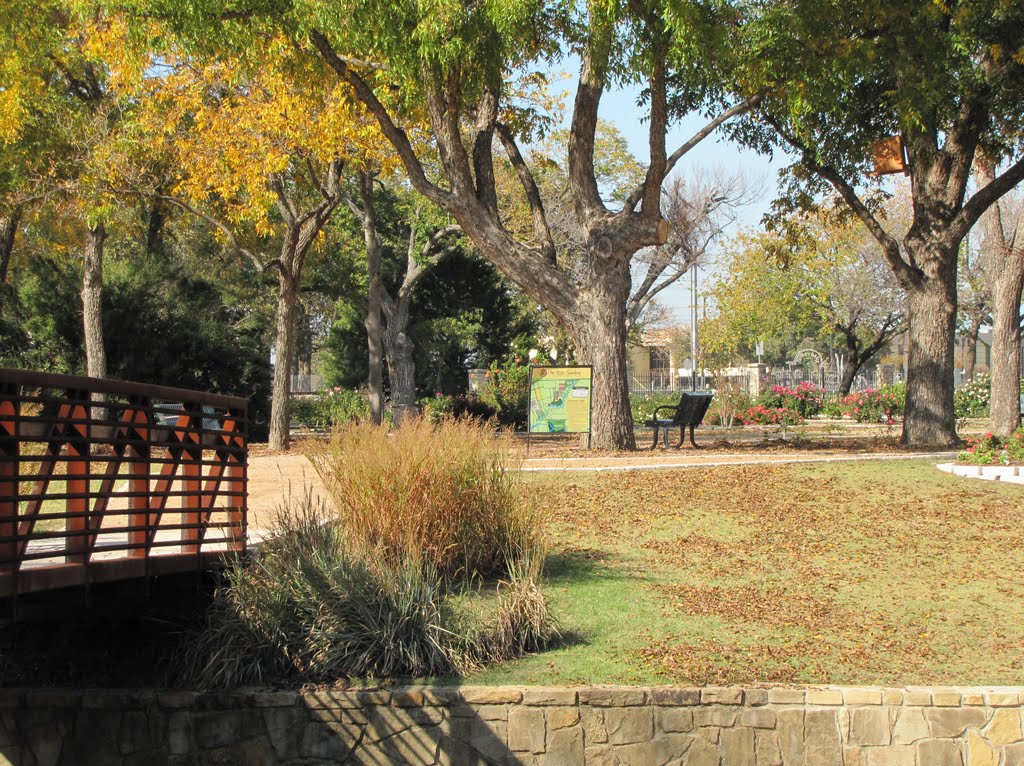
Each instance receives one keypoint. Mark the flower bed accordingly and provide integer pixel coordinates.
(991, 450)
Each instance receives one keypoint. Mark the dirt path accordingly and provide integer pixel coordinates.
(273, 478)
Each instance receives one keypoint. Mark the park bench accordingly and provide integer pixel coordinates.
(688, 413)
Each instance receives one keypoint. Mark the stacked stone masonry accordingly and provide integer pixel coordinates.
(777, 726)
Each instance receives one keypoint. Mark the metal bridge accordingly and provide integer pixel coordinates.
(104, 480)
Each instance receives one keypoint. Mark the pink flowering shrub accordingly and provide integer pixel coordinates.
(991, 450)
(771, 416)
(872, 406)
(806, 399)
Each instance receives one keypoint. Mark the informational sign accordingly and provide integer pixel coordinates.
(560, 399)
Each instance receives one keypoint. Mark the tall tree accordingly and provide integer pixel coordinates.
(944, 77)
(1005, 272)
(817, 277)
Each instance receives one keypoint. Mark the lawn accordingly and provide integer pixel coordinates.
(848, 573)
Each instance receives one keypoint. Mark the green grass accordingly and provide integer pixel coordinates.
(847, 573)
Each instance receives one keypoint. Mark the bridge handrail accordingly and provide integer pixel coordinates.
(124, 479)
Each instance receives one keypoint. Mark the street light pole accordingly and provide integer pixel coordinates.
(693, 327)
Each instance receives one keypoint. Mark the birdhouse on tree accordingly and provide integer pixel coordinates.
(889, 156)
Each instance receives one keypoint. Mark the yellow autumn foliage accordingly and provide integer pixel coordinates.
(230, 126)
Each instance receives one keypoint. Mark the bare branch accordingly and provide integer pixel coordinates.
(745, 106)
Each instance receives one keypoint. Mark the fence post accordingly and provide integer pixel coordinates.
(191, 472)
(237, 477)
(138, 445)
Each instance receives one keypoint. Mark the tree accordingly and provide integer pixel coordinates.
(387, 311)
(816, 276)
(260, 160)
(943, 77)
(452, 63)
(1005, 282)
(974, 301)
(698, 213)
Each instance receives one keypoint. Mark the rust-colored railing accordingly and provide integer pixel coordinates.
(103, 480)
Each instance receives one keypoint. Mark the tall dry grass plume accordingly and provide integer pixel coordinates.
(450, 494)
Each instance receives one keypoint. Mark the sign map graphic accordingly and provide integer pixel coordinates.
(560, 399)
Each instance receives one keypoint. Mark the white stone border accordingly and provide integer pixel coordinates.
(1008, 474)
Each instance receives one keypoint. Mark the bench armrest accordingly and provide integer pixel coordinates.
(654, 415)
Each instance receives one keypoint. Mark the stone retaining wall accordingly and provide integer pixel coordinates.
(510, 725)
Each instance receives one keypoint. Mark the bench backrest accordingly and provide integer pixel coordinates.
(692, 408)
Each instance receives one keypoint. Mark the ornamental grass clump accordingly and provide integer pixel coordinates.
(427, 563)
(448, 496)
(323, 599)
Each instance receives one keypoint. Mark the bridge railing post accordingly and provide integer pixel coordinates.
(10, 477)
(79, 463)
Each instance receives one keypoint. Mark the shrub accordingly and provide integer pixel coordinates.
(761, 415)
(728, 405)
(331, 407)
(871, 406)
(449, 496)
(991, 450)
(439, 406)
(387, 583)
(806, 399)
(508, 391)
(832, 407)
(899, 396)
(971, 400)
(642, 406)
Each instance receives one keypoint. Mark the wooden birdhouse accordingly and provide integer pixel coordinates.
(889, 156)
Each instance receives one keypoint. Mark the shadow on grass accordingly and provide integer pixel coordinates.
(575, 567)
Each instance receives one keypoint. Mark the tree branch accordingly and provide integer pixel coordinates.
(905, 273)
(984, 198)
(540, 220)
(226, 230)
(395, 135)
(745, 106)
(582, 176)
(483, 159)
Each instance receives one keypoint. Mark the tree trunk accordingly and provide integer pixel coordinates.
(155, 228)
(92, 298)
(929, 420)
(284, 347)
(1005, 401)
(849, 374)
(971, 351)
(374, 288)
(1005, 285)
(599, 331)
(8, 230)
(398, 350)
